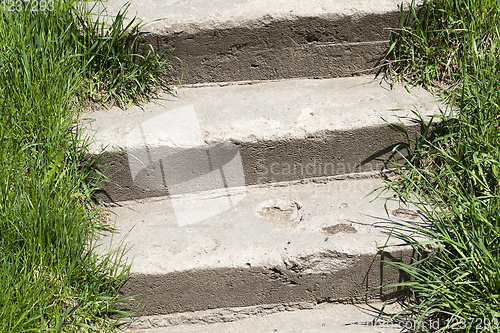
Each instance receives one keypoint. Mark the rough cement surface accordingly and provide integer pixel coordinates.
(177, 15)
(261, 39)
(277, 318)
(278, 131)
(235, 257)
(224, 315)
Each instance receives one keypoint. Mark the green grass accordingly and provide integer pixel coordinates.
(453, 171)
(117, 69)
(53, 276)
(441, 41)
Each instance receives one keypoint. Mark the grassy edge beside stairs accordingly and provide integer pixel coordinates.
(453, 169)
(53, 62)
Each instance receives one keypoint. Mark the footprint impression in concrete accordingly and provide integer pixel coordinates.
(340, 227)
(283, 213)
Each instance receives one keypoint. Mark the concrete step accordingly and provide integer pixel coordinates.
(303, 242)
(223, 41)
(234, 135)
(326, 317)
(245, 193)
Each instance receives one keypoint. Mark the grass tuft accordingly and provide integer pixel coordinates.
(116, 68)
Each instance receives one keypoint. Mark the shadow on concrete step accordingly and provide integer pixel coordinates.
(329, 153)
(197, 290)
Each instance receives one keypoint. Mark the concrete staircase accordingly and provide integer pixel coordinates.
(245, 194)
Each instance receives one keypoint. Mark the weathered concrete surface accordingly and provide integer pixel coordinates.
(305, 242)
(266, 132)
(326, 317)
(222, 41)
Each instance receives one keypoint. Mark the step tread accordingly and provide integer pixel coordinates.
(287, 109)
(191, 16)
(261, 226)
(324, 317)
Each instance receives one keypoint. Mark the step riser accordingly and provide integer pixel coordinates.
(326, 154)
(198, 290)
(304, 47)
